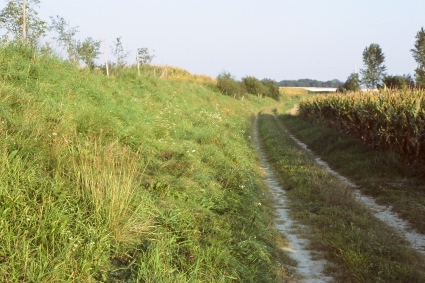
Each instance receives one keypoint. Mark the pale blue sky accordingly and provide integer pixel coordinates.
(286, 39)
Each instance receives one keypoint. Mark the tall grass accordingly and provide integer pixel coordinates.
(107, 178)
(144, 178)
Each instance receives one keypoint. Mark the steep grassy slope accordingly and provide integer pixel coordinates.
(127, 179)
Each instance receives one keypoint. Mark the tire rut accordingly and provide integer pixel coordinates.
(310, 270)
(383, 213)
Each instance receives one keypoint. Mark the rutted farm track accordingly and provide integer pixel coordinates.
(310, 270)
(312, 264)
(383, 213)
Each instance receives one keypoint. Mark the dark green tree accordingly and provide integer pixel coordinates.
(419, 55)
(374, 71)
(351, 84)
(410, 81)
(11, 19)
(398, 82)
(309, 82)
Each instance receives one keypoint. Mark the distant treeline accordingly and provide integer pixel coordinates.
(310, 83)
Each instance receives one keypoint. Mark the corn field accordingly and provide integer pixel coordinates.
(391, 120)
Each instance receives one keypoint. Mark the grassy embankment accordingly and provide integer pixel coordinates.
(127, 179)
(359, 247)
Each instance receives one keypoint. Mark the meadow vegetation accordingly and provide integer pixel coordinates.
(148, 178)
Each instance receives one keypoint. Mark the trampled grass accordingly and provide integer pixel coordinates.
(147, 178)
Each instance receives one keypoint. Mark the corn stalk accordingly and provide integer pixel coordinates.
(391, 120)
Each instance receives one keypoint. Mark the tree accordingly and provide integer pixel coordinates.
(309, 82)
(351, 84)
(254, 86)
(373, 59)
(65, 36)
(409, 81)
(419, 55)
(28, 29)
(272, 87)
(88, 50)
(228, 85)
(118, 51)
(145, 58)
(398, 82)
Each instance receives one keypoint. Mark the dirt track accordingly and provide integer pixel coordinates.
(310, 271)
(383, 213)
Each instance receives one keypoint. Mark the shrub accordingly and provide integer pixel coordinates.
(228, 85)
(272, 87)
(254, 86)
(351, 84)
(398, 82)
